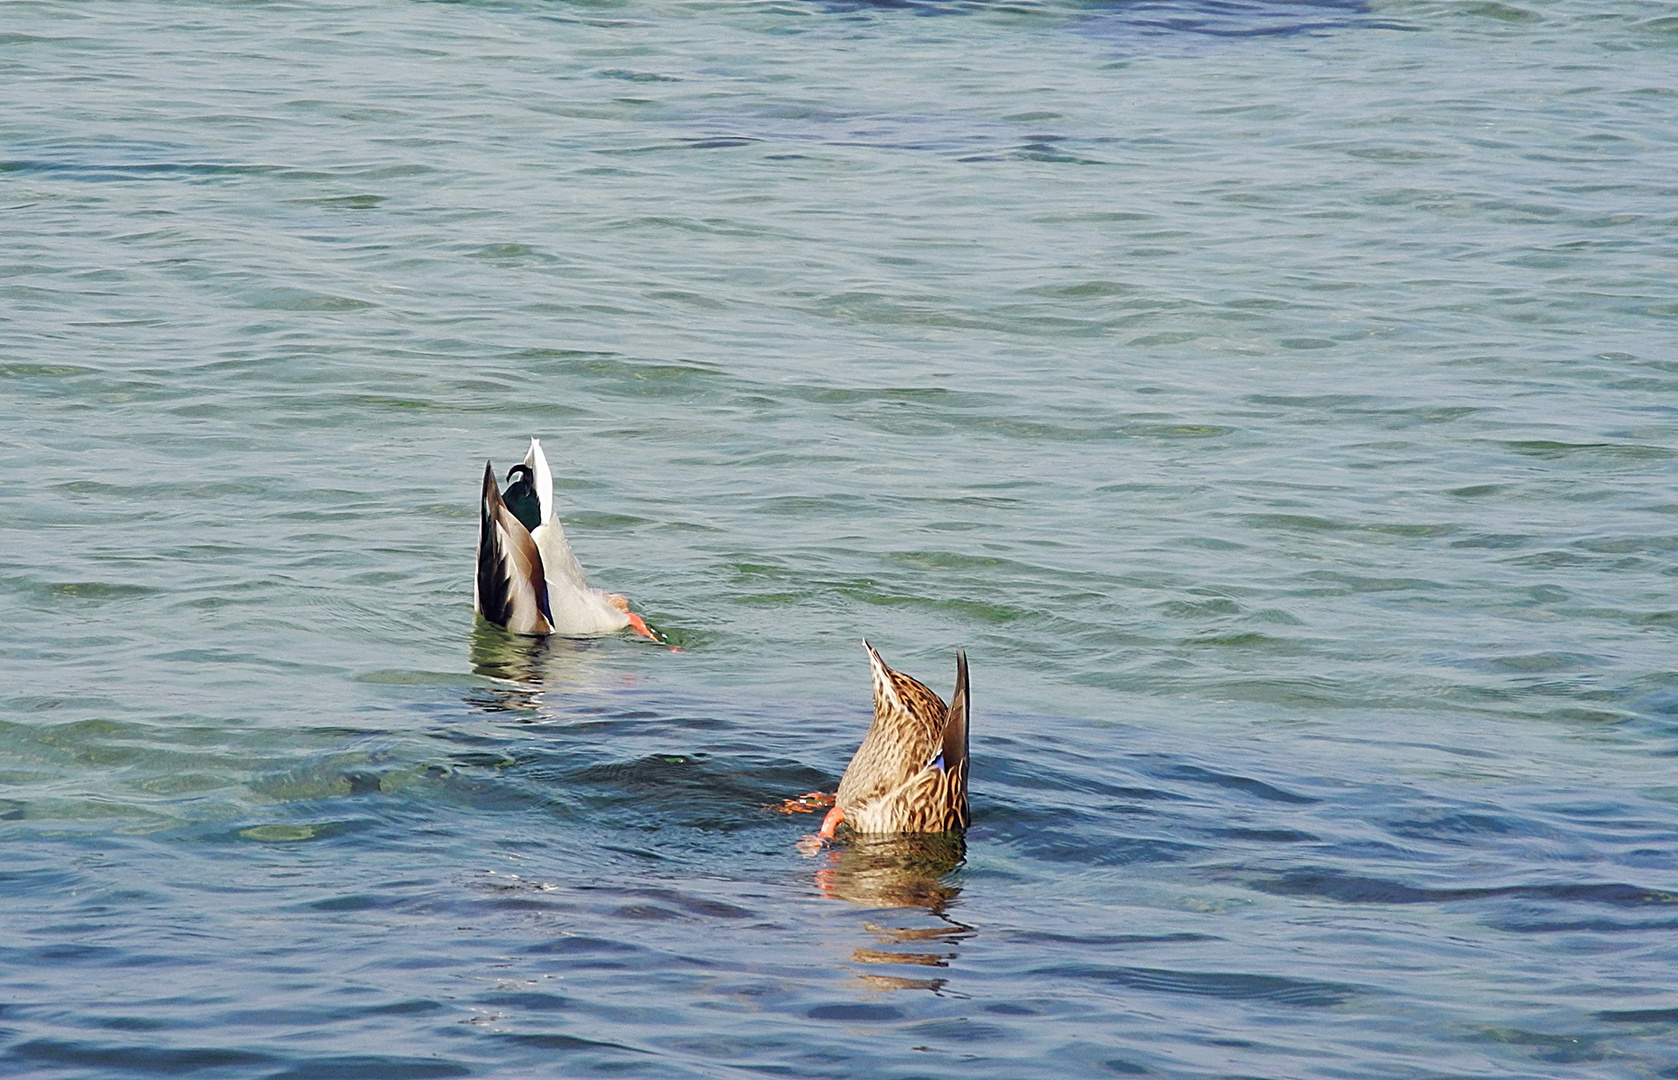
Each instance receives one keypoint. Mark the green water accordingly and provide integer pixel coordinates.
(1276, 401)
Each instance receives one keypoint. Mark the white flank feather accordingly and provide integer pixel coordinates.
(578, 611)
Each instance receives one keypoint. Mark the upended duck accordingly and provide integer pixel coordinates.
(910, 773)
(528, 581)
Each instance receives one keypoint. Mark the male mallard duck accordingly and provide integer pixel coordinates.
(910, 773)
(528, 580)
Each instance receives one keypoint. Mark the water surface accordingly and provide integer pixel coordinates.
(1277, 401)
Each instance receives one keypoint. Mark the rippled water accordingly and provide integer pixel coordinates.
(1278, 401)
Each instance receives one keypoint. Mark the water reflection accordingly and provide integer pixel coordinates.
(901, 872)
(895, 871)
(526, 668)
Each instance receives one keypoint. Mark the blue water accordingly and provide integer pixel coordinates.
(1277, 401)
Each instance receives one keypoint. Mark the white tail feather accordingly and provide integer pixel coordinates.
(542, 480)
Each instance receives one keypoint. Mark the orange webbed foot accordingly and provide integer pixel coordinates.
(805, 804)
(636, 623)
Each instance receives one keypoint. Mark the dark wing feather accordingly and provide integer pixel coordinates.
(512, 590)
(955, 727)
(954, 792)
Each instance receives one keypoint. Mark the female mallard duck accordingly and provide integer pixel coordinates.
(910, 773)
(528, 580)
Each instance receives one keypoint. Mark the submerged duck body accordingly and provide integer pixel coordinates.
(528, 580)
(910, 773)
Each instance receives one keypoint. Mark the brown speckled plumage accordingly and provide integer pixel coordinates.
(910, 773)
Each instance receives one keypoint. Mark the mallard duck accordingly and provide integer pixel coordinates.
(528, 581)
(910, 773)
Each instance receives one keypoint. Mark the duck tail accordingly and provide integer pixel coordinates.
(511, 590)
(955, 739)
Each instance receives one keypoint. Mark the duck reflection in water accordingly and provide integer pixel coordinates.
(526, 668)
(895, 871)
(914, 871)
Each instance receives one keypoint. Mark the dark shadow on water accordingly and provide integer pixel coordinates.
(1133, 18)
(912, 7)
(1234, 18)
(595, 750)
(1353, 888)
(711, 793)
